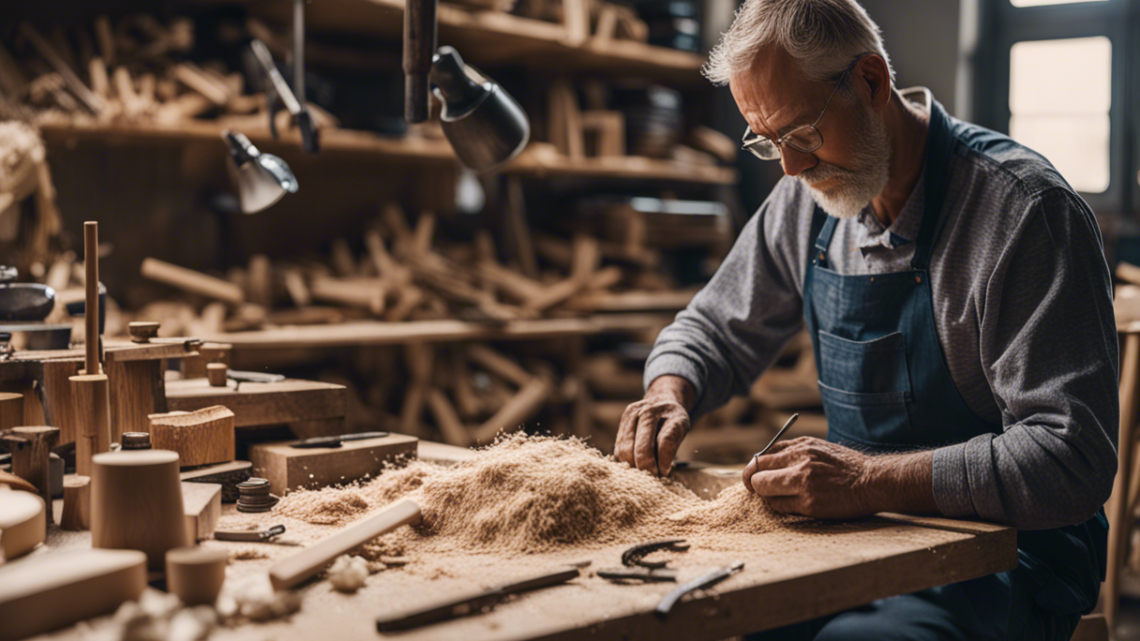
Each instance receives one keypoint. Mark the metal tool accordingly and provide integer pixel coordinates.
(637, 569)
(775, 438)
(248, 536)
(253, 377)
(23, 308)
(278, 93)
(635, 556)
(700, 583)
(337, 441)
(470, 603)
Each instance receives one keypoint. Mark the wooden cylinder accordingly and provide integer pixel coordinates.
(216, 374)
(142, 332)
(76, 503)
(196, 575)
(91, 394)
(192, 281)
(91, 310)
(11, 410)
(137, 391)
(195, 366)
(22, 521)
(31, 448)
(136, 503)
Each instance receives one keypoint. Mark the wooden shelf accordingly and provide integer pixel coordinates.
(362, 333)
(493, 38)
(407, 149)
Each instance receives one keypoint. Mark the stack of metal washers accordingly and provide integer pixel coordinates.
(255, 496)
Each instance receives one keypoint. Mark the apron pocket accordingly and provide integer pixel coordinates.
(864, 367)
(865, 387)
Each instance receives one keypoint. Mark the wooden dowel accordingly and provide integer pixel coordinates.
(91, 394)
(91, 101)
(91, 310)
(292, 570)
(76, 503)
(358, 292)
(192, 281)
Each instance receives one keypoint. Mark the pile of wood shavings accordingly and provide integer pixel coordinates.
(533, 494)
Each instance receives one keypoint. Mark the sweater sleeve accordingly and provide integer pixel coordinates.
(1049, 351)
(736, 325)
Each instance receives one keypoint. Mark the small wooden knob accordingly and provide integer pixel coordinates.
(142, 332)
(216, 374)
(195, 575)
(135, 441)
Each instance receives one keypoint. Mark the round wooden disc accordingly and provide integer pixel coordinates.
(22, 521)
(135, 458)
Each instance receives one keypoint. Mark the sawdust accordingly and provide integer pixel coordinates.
(531, 494)
(248, 555)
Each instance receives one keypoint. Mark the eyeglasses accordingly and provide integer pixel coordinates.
(804, 139)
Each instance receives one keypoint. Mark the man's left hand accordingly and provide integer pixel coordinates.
(825, 480)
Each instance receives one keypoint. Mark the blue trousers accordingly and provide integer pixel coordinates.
(999, 607)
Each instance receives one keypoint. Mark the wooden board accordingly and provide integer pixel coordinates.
(289, 468)
(261, 404)
(202, 503)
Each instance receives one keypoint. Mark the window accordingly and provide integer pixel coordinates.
(1053, 74)
(1060, 92)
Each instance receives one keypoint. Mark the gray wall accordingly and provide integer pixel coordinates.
(921, 37)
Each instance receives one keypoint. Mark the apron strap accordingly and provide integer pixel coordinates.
(940, 143)
(822, 229)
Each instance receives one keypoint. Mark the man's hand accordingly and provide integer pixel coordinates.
(652, 429)
(824, 480)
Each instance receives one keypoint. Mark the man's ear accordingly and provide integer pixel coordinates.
(872, 71)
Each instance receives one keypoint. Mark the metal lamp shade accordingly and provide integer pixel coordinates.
(484, 125)
(261, 179)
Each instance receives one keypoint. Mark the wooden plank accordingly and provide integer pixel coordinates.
(260, 404)
(289, 468)
(202, 504)
(381, 333)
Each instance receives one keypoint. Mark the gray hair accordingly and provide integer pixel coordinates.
(823, 36)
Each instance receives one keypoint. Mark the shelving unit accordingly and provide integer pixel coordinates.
(406, 149)
(491, 37)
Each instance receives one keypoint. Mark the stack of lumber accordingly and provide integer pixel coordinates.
(398, 272)
(135, 70)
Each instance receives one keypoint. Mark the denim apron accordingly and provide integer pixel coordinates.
(886, 387)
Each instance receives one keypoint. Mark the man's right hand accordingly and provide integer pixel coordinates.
(652, 429)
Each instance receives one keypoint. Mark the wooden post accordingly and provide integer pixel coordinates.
(1119, 520)
(76, 503)
(137, 390)
(92, 396)
(91, 310)
(195, 367)
(31, 447)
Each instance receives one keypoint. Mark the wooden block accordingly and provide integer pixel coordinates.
(289, 468)
(138, 389)
(76, 503)
(217, 374)
(23, 525)
(51, 591)
(228, 475)
(202, 503)
(195, 367)
(11, 410)
(261, 404)
(201, 437)
(31, 447)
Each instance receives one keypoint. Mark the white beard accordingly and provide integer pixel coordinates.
(854, 188)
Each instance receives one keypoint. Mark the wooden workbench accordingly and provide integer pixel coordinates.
(789, 576)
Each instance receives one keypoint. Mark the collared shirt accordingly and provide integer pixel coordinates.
(1023, 312)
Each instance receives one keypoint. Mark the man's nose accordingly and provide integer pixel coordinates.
(795, 162)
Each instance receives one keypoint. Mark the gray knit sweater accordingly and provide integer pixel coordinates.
(1023, 306)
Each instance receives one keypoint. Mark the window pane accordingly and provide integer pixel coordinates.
(1059, 99)
(1038, 3)
(1076, 145)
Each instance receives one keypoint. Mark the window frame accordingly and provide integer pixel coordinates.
(1002, 25)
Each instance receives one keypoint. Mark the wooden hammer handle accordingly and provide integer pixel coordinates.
(292, 570)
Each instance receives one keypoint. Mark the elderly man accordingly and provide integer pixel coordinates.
(960, 307)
